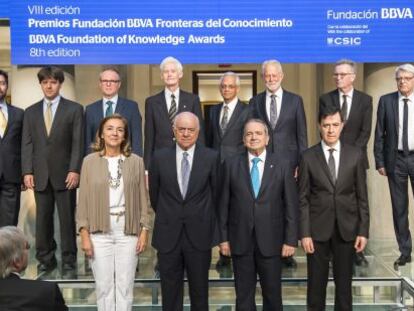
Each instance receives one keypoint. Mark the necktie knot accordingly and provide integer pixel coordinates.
(331, 150)
(255, 161)
(109, 109)
(185, 155)
(172, 96)
(405, 100)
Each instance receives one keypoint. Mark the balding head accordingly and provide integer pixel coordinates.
(186, 129)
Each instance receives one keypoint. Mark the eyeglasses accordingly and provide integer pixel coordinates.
(189, 130)
(399, 79)
(225, 86)
(110, 81)
(342, 74)
(27, 245)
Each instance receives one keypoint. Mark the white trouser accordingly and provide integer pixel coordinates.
(113, 266)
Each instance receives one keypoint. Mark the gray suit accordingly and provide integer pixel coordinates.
(50, 159)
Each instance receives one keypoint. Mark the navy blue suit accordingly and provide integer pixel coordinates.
(10, 167)
(94, 114)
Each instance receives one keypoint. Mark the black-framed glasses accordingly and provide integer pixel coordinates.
(399, 79)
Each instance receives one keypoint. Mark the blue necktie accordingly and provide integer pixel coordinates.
(254, 175)
(109, 111)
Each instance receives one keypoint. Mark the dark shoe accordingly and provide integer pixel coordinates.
(223, 261)
(156, 271)
(360, 260)
(67, 266)
(402, 260)
(289, 262)
(46, 267)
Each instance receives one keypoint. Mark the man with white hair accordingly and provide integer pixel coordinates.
(160, 109)
(394, 152)
(17, 293)
(285, 117)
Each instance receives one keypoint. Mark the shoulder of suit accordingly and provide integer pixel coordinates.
(351, 148)
(15, 109)
(155, 96)
(94, 104)
(126, 101)
(363, 95)
(70, 102)
(312, 149)
(258, 97)
(328, 95)
(389, 96)
(164, 152)
(294, 95)
(35, 105)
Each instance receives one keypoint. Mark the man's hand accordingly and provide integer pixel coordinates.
(307, 244)
(225, 249)
(287, 250)
(29, 181)
(72, 180)
(360, 243)
(382, 171)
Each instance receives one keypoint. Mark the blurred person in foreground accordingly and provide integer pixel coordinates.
(17, 293)
(112, 213)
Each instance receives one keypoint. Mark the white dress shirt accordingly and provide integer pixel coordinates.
(260, 164)
(349, 97)
(279, 97)
(179, 158)
(231, 105)
(168, 94)
(55, 104)
(410, 105)
(114, 101)
(336, 154)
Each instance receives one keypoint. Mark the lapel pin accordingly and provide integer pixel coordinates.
(185, 106)
(271, 165)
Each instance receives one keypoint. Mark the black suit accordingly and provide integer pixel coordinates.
(50, 159)
(94, 113)
(357, 129)
(10, 167)
(289, 137)
(398, 166)
(231, 142)
(30, 295)
(258, 227)
(158, 128)
(333, 214)
(184, 229)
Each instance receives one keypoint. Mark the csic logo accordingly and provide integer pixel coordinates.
(344, 41)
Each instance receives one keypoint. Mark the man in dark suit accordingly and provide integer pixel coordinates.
(160, 110)
(258, 218)
(52, 149)
(225, 131)
(182, 186)
(334, 212)
(356, 110)
(284, 115)
(394, 152)
(109, 83)
(17, 293)
(11, 122)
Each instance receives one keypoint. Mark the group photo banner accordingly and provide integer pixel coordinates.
(214, 32)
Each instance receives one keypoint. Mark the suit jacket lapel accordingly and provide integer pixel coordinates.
(119, 107)
(335, 98)
(268, 171)
(396, 112)
(322, 161)
(195, 169)
(342, 163)
(216, 120)
(173, 171)
(59, 115)
(262, 108)
(182, 103)
(284, 106)
(40, 116)
(354, 105)
(245, 170)
(10, 119)
(234, 116)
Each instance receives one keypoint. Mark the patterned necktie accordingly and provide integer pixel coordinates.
(331, 164)
(344, 110)
(273, 111)
(185, 173)
(254, 175)
(224, 118)
(48, 117)
(3, 122)
(173, 109)
(109, 110)
(406, 150)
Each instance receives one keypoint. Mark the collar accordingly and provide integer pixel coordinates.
(326, 148)
(113, 99)
(232, 104)
(190, 151)
(54, 101)
(411, 97)
(168, 93)
(261, 156)
(349, 94)
(278, 93)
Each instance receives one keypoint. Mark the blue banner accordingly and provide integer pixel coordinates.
(213, 31)
(4, 9)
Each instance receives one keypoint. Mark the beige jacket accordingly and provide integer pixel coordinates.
(93, 206)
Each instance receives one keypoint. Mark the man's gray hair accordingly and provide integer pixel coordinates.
(345, 61)
(230, 74)
(271, 62)
(184, 114)
(172, 60)
(254, 120)
(405, 67)
(12, 247)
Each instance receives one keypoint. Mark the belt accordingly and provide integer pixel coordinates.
(117, 214)
(410, 153)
